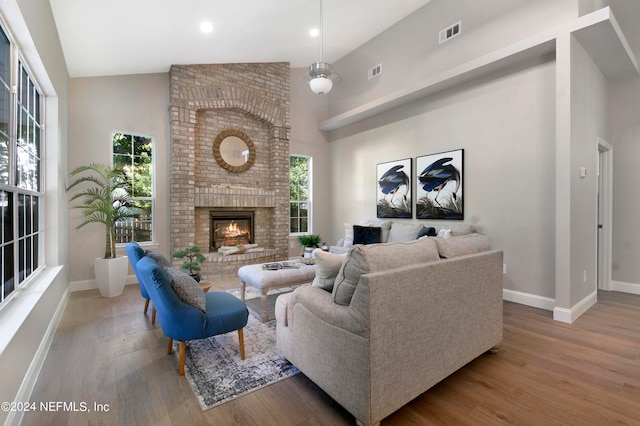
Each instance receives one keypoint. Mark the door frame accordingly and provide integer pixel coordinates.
(605, 213)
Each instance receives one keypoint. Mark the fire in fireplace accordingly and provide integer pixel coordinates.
(230, 228)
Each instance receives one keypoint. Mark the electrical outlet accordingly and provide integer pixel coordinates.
(584, 276)
(504, 268)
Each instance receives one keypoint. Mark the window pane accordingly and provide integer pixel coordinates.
(7, 216)
(133, 154)
(7, 272)
(299, 193)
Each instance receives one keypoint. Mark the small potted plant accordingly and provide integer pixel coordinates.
(309, 242)
(193, 258)
(105, 201)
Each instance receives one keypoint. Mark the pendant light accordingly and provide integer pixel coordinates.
(321, 73)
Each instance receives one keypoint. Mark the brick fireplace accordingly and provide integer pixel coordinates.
(205, 101)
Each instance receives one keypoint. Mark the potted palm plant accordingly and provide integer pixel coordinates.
(105, 200)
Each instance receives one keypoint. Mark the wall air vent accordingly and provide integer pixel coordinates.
(375, 71)
(450, 32)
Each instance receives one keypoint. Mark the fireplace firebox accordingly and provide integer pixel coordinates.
(230, 228)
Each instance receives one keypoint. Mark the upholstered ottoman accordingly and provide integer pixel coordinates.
(265, 280)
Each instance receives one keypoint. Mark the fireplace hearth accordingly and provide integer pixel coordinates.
(230, 228)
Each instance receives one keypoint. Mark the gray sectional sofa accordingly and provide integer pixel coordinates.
(399, 318)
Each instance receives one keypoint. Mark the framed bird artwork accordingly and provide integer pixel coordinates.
(394, 189)
(439, 186)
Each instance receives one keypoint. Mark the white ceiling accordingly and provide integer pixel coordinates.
(112, 37)
(115, 37)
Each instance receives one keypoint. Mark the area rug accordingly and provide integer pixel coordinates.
(216, 373)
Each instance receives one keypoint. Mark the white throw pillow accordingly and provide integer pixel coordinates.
(327, 268)
(444, 233)
(348, 235)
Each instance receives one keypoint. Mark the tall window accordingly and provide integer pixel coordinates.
(134, 154)
(21, 125)
(300, 194)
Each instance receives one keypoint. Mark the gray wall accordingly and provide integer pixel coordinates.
(100, 106)
(526, 132)
(626, 191)
(307, 109)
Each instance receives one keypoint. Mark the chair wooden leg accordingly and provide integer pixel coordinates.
(153, 315)
(241, 340)
(146, 306)
(170, 346)
(182, 347)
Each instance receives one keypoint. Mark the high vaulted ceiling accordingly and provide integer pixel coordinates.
(144, 36)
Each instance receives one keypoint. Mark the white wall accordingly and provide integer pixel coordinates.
(27, 324)
(99, 106)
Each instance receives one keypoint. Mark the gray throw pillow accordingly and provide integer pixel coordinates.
(404, 232)
(327, 268)
(159, 258)
(187, 289)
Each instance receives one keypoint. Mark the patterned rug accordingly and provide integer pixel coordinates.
(215, 371)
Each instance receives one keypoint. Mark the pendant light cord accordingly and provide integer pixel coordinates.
(321, 33)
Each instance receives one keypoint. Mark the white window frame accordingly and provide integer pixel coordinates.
(309, 201)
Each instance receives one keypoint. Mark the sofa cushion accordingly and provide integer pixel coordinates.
(327, 268)
(159, 258)
(377, 257)
(187, 289)
(459, 246)
(367, 234)
(404, 231)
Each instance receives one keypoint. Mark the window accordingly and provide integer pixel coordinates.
(134, 154)
(300, 194)
(21, 129)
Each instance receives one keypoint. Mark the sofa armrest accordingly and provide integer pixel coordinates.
(320, 303)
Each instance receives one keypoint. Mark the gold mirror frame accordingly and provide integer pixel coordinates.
(221, 161)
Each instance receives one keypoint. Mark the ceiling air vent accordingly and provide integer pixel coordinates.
(450, 32)
(375, 71)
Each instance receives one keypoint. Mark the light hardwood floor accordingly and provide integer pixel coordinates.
(106, 351)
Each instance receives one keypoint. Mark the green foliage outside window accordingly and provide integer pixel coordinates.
(299, 195)
(134, 154)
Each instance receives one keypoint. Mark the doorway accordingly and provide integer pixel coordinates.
(605, 213)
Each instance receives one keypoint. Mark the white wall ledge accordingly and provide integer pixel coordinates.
(598, 32)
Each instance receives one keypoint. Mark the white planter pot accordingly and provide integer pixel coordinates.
(307, 252)
(111, 275)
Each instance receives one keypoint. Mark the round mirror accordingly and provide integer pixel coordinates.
(234, 151)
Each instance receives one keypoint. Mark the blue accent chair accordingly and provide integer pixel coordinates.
(182, 322)
(135, 253)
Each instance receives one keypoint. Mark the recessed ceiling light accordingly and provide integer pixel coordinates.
(206, 27)
(314, 32)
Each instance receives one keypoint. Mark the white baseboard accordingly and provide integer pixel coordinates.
(570, 315)
(93, 285)
(528, 299)
(632, 288)
(30, 378)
